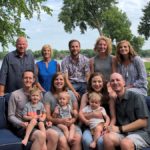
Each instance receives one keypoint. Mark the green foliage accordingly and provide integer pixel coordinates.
(137, 43)
(116, 25)
(145, 53)
(144, 26)
(2, 54)
(11, 13)
(84, 13)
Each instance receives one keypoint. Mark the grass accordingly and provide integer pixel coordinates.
(147, 65)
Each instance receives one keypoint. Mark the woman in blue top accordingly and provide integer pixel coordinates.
(46, 68)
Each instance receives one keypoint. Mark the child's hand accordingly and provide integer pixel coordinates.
(87, 122)
(48, 123)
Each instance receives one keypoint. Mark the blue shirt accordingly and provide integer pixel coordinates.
(12, 69)
(45, 74)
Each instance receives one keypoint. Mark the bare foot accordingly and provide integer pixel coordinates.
(93, 145)
(24, 142)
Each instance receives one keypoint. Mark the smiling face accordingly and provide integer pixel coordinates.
(97, 83)
(59, 82)
(35, 97)
(28, 79)
(117, 83)
(46, 52)
(102, 46)
(74, 48)
(124, 48)
(21, 45)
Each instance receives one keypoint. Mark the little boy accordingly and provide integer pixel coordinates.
(35, 113)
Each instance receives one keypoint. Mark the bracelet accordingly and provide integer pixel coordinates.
(120, 129)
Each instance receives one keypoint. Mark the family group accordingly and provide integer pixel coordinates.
(82, 103)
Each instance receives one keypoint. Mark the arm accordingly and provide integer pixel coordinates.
(71, 87)
(58, 67)
(91, 63)
(37, 83)
(84, 101)
(139, 123)
(2, 90)
(112, 111)
(12, 111)
(83, 118)
(142, 76)
(3, 75)
(114, 64)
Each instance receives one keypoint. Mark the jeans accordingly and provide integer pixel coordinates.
(87, 139)
(80, 87)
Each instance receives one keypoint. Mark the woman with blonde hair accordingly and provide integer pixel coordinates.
(131, 67)
(46, 68)
(103, 62)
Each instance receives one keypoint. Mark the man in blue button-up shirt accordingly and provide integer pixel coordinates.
(14, 64)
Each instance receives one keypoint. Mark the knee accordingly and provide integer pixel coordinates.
(108, 139)
(126, 144)
(40, 137)
(77, 139)
(52, 135)
(62, 143)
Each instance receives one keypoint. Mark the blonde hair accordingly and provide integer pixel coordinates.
(49, 47)
(64, 93)
(94, 95)
(108, 42)
(34, 89)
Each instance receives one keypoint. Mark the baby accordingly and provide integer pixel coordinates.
(64, 110)
(96, 124)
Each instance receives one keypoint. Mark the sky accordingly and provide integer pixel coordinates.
(50, 31)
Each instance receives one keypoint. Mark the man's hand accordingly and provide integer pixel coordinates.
(24, 124)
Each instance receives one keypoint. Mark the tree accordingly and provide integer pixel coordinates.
(83, 13)
(116, 25)
(137, 43)
(12, 11)
(144, 26)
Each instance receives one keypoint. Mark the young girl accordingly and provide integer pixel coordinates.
(97, 125)
(64, 110)
(35, 113)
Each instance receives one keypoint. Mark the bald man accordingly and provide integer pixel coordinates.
(13, 66)
(133, 121)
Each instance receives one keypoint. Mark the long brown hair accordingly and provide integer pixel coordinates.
(53, 89)
(132, 52)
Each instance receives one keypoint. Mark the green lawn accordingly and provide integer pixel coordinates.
(147, 65)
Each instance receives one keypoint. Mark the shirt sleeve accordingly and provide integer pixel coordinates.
(103, 111)
(4, 70)
(142, 76)
(12, 111)
(64, 67)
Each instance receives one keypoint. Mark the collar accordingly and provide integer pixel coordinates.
(17, 54)
(79, 58)
(124, 97)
